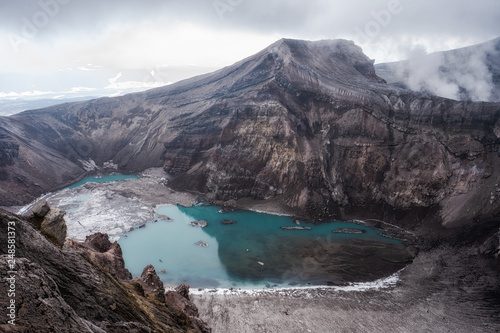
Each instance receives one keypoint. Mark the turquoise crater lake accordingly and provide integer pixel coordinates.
(255, 252)
(102, 179)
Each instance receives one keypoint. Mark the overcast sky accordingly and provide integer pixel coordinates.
(65, 47)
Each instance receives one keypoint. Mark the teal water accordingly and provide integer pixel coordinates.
(103, 179)
(252, 253)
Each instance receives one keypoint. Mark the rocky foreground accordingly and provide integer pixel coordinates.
(80, 287)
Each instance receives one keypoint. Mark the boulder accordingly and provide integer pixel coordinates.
(54, 226)
(349, 231)
(40, 209)
(199, 224)
(99, 242)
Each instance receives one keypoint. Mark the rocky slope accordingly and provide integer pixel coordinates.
(308, 124)
(83, 287)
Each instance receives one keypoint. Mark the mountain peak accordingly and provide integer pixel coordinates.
(332, 67)
(321, 52)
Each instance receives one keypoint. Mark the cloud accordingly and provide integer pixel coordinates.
(42, 36)
(24, 94)
(461, 74)
(314, 19)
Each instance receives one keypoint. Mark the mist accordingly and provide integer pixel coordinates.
(469, 74)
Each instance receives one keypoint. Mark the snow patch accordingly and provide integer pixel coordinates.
(379, 284)
(88, 165)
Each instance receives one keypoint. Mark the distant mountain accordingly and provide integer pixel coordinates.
(9, 107)
(469, 74)
(309, 124)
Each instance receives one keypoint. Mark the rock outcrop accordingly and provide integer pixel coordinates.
(152, 284)
(49, 221)
(54, 226)
(98, 249)
(63, 290)
(179, 298)
(40, 209)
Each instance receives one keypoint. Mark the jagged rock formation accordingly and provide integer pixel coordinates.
(307, 123)
(179, 298)
(98, 249)
(58, 290)
(151, 283)
(469, 73)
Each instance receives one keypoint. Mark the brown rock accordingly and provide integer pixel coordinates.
(99, 242)
(98, 249)
(152, 284)
(179, 299)
(54, 226)
(40, 209)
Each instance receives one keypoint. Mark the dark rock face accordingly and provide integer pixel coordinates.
(307, 123)
(57, 290)
(491, 246)
(38, 302)
(9, 151)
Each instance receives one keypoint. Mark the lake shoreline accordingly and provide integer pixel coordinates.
(427, 297)
(439, 291)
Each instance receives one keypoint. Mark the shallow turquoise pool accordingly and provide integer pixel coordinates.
(103, 179)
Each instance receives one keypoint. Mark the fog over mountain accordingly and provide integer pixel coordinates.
(470, 74)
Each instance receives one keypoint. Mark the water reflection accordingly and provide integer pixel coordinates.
(255, 251)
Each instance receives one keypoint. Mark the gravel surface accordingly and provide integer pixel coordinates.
(445, 290)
